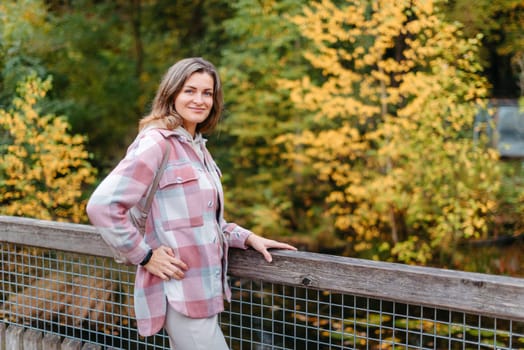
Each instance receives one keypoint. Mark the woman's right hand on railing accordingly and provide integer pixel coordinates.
(165, 264)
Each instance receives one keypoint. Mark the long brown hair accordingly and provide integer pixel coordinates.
(163, 108)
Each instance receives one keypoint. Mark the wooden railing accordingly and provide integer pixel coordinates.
(493, 296)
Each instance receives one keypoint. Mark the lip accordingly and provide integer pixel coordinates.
(197, 109)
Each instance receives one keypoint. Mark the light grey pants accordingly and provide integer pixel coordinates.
(193, 333)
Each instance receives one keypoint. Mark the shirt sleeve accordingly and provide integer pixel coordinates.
(236, 235)
(122, 189)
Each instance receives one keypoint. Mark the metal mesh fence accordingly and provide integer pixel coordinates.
(71, 295)
(269, 316)
(90, 298)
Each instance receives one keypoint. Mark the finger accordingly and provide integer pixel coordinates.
(280, 245)
(170, 252)
(171, 260)
(163, 276)
(178, 274)
(180, 264)
(289, 247)
(266, 255)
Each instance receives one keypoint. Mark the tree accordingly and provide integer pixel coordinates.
(393, 118)
(264, 47)
(43, 169)
(107, 58)
(22, 31)
(500, 23)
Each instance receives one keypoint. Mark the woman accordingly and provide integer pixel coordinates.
(182, 258)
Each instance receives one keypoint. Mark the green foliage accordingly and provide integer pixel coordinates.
(265, 47)
(500, 23)
(107, 59)
(94, 68)
(22, 29)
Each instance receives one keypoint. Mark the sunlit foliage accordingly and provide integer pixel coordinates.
(265, 46)
(394, 116)
(43, 169)
(377, 159)
(22, 31)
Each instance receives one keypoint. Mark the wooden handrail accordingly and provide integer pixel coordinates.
(477, 293)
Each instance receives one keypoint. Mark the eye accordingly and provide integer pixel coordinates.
(208, 93)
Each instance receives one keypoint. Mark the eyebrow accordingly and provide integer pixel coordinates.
(194, 87)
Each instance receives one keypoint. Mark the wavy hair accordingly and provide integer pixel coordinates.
(163, 107)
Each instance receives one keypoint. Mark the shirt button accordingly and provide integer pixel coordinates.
(210, 204)
(179, 179)
(217, 273)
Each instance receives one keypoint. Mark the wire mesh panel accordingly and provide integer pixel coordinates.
(71, 295)
(90, 298)
(270, 316)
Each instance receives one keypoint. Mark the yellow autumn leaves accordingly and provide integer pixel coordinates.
(43, 169)
(401, 88)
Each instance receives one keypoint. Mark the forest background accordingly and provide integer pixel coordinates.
(348, 126)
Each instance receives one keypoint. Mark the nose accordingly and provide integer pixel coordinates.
(198, 98)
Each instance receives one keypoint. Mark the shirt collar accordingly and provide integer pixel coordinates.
(184, 135)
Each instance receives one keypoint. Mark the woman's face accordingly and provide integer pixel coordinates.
(194, 102)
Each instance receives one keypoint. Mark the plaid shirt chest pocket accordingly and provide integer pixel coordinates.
(180, 197)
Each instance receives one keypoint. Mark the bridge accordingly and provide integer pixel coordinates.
(60, 289)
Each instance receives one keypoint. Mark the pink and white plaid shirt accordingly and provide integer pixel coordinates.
(186, 215)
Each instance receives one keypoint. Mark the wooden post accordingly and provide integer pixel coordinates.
(32, 340)
(51, 342)
(2, 336)
(71, 344)
(14, 338)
